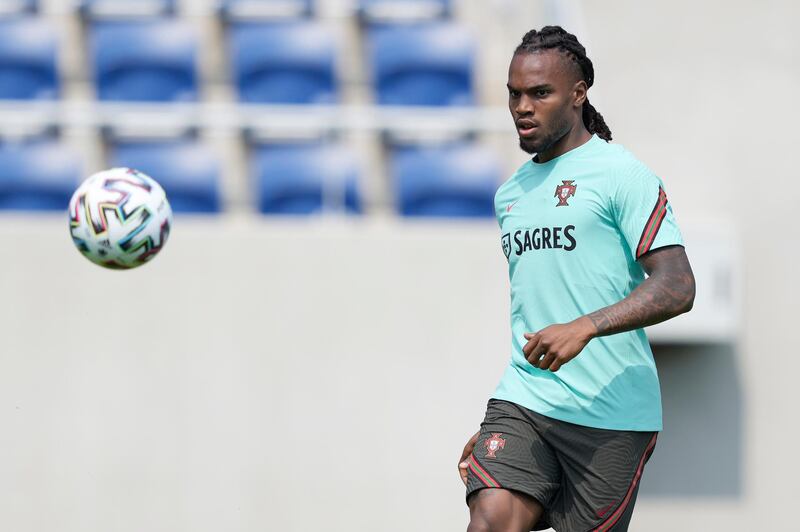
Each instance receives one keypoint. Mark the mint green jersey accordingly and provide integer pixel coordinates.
(572, 229)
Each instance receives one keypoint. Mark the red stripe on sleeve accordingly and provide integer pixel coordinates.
(653, 224)
(661, 216)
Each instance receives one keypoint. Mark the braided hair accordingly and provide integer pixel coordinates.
(557, 38)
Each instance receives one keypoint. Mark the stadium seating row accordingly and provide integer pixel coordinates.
(457, 179)
(277, 53)
(369, 10)
(290, 62)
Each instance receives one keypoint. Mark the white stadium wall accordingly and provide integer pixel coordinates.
(285, 375)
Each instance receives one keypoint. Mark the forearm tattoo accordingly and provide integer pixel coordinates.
(668, 291)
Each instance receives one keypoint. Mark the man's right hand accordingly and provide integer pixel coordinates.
(463, 464)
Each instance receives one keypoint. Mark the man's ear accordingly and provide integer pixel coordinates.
(580, 93)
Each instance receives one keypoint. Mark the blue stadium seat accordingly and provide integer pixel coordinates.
(262, 10)
(422, 64)
(389, 11)
(126, 9)
(305, 178)
(37, 175)
(147, 61)
(283, 63)
(456, 180)
(27, 60)
(188, 171)
(18, 7)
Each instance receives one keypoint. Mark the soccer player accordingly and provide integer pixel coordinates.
(575, 417)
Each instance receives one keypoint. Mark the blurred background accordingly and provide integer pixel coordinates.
(319, 337)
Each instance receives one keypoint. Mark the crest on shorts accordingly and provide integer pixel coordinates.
(564, 191)
(494, 444)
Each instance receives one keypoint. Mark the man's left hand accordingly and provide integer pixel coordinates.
(554, 346)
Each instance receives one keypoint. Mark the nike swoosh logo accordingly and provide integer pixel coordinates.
(511, 206)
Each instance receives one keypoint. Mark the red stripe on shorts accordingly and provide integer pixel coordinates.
(482, 474)
(613, 518)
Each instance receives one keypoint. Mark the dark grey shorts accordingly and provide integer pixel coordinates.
(586, 478)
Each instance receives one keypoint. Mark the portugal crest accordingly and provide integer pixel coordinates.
(507, 244)
(564, 191)
(494, 444)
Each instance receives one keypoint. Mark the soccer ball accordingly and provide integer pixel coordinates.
(119, 218)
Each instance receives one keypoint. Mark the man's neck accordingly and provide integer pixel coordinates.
(577, 136)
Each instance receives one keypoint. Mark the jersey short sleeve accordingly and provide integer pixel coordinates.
(642, 211)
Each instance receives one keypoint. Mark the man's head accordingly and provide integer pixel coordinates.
(548, 80)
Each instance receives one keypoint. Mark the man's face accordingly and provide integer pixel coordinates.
(542, 98)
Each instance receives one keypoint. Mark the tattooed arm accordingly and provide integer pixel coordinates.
(667, 292)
